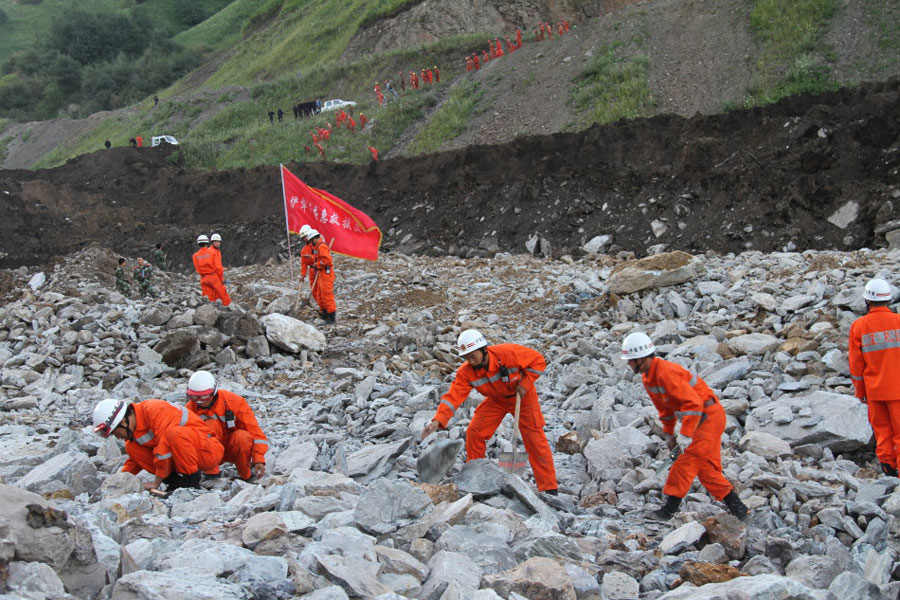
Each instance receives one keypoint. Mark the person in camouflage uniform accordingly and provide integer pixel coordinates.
(122, 285)
(142, 274)
(159, 259)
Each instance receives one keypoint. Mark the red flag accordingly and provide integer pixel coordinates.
(349, 230)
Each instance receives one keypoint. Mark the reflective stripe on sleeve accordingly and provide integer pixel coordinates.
(184, 416)
(693, 380)
(656, 390)
(145, 438)
(260, 441)
(855, 378)
(163, 456)
(535, 371)
(452, 408)
(881, 346)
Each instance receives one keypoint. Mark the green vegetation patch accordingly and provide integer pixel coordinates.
(792, 60)
(450, 121)
(612, 87)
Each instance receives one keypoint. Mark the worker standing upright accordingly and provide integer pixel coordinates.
(500, 373)
(676, 392)
(323, 264)
(216, 247)
(874, 369)
(205, 265)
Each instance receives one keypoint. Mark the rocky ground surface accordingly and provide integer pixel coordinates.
(340, 512)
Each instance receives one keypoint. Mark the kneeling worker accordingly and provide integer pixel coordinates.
(499, 372)
(161, 438)
(676, 392)
(231, 419)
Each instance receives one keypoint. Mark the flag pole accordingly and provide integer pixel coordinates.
(287, 228)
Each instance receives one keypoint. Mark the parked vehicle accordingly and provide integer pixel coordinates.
(163, 139)
(337, 104)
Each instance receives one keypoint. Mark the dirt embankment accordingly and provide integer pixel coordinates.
(764, 179)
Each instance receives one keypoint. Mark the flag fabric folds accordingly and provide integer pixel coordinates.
(348, 230)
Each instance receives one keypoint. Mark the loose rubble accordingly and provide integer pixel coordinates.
(340, 513)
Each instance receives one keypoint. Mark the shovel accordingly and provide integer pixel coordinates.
(514, 462)
(434, 462)
(673, 455)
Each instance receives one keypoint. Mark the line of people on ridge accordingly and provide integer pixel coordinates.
(542, 30)
(177, 453)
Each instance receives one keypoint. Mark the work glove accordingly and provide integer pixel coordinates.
(683, 442)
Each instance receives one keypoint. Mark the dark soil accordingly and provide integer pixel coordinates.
(764, 179)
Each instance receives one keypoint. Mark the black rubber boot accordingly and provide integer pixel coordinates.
(552, 492)
(329, 318)
(888, 470)
(181, 480)
(668, 510)
(735, 506)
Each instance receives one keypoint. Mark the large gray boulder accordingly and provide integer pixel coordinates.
(292, 334)
(660, 270)
(836, 421)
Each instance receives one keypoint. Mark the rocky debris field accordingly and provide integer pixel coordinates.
(807, 173)
(340, 512)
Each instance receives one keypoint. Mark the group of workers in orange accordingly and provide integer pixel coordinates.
(178, 444)
(208, 264)
(323, 133)
(542, 31)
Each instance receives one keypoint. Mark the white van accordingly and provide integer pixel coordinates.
(163, 139)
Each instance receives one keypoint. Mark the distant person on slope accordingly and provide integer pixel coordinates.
(159, 258)
(215, 246)
(143, 272)
(676, 392)
(205, 265)
(323, 265)
(122, 285)
(875, 370)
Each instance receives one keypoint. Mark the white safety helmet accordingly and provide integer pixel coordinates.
(878, 290)
(202, 239)
(637, 345)
(311, 233)
(201, 384)
(469, 341)
(108, 414)
(304, 231)
(215, 237)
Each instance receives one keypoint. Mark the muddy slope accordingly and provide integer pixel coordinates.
(764, 179)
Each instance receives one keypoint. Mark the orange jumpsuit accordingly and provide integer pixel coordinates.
(323, 264)
(874, 369)
(244, 442)
(168, 437)
(220, 271)
(676, 392)
(523, 366)
(306, 262)
(210, 284)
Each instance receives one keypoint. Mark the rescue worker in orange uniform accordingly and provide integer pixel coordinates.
(323, 265)
(518, 38)
(306, 257)
(232, 421)
(215, 245)
(161, 438)
(374, 152)
(676, 392)
(499, 372)
(875, 370)
(476, 61)
(207, 266)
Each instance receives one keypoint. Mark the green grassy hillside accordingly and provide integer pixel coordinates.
(274, 53)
